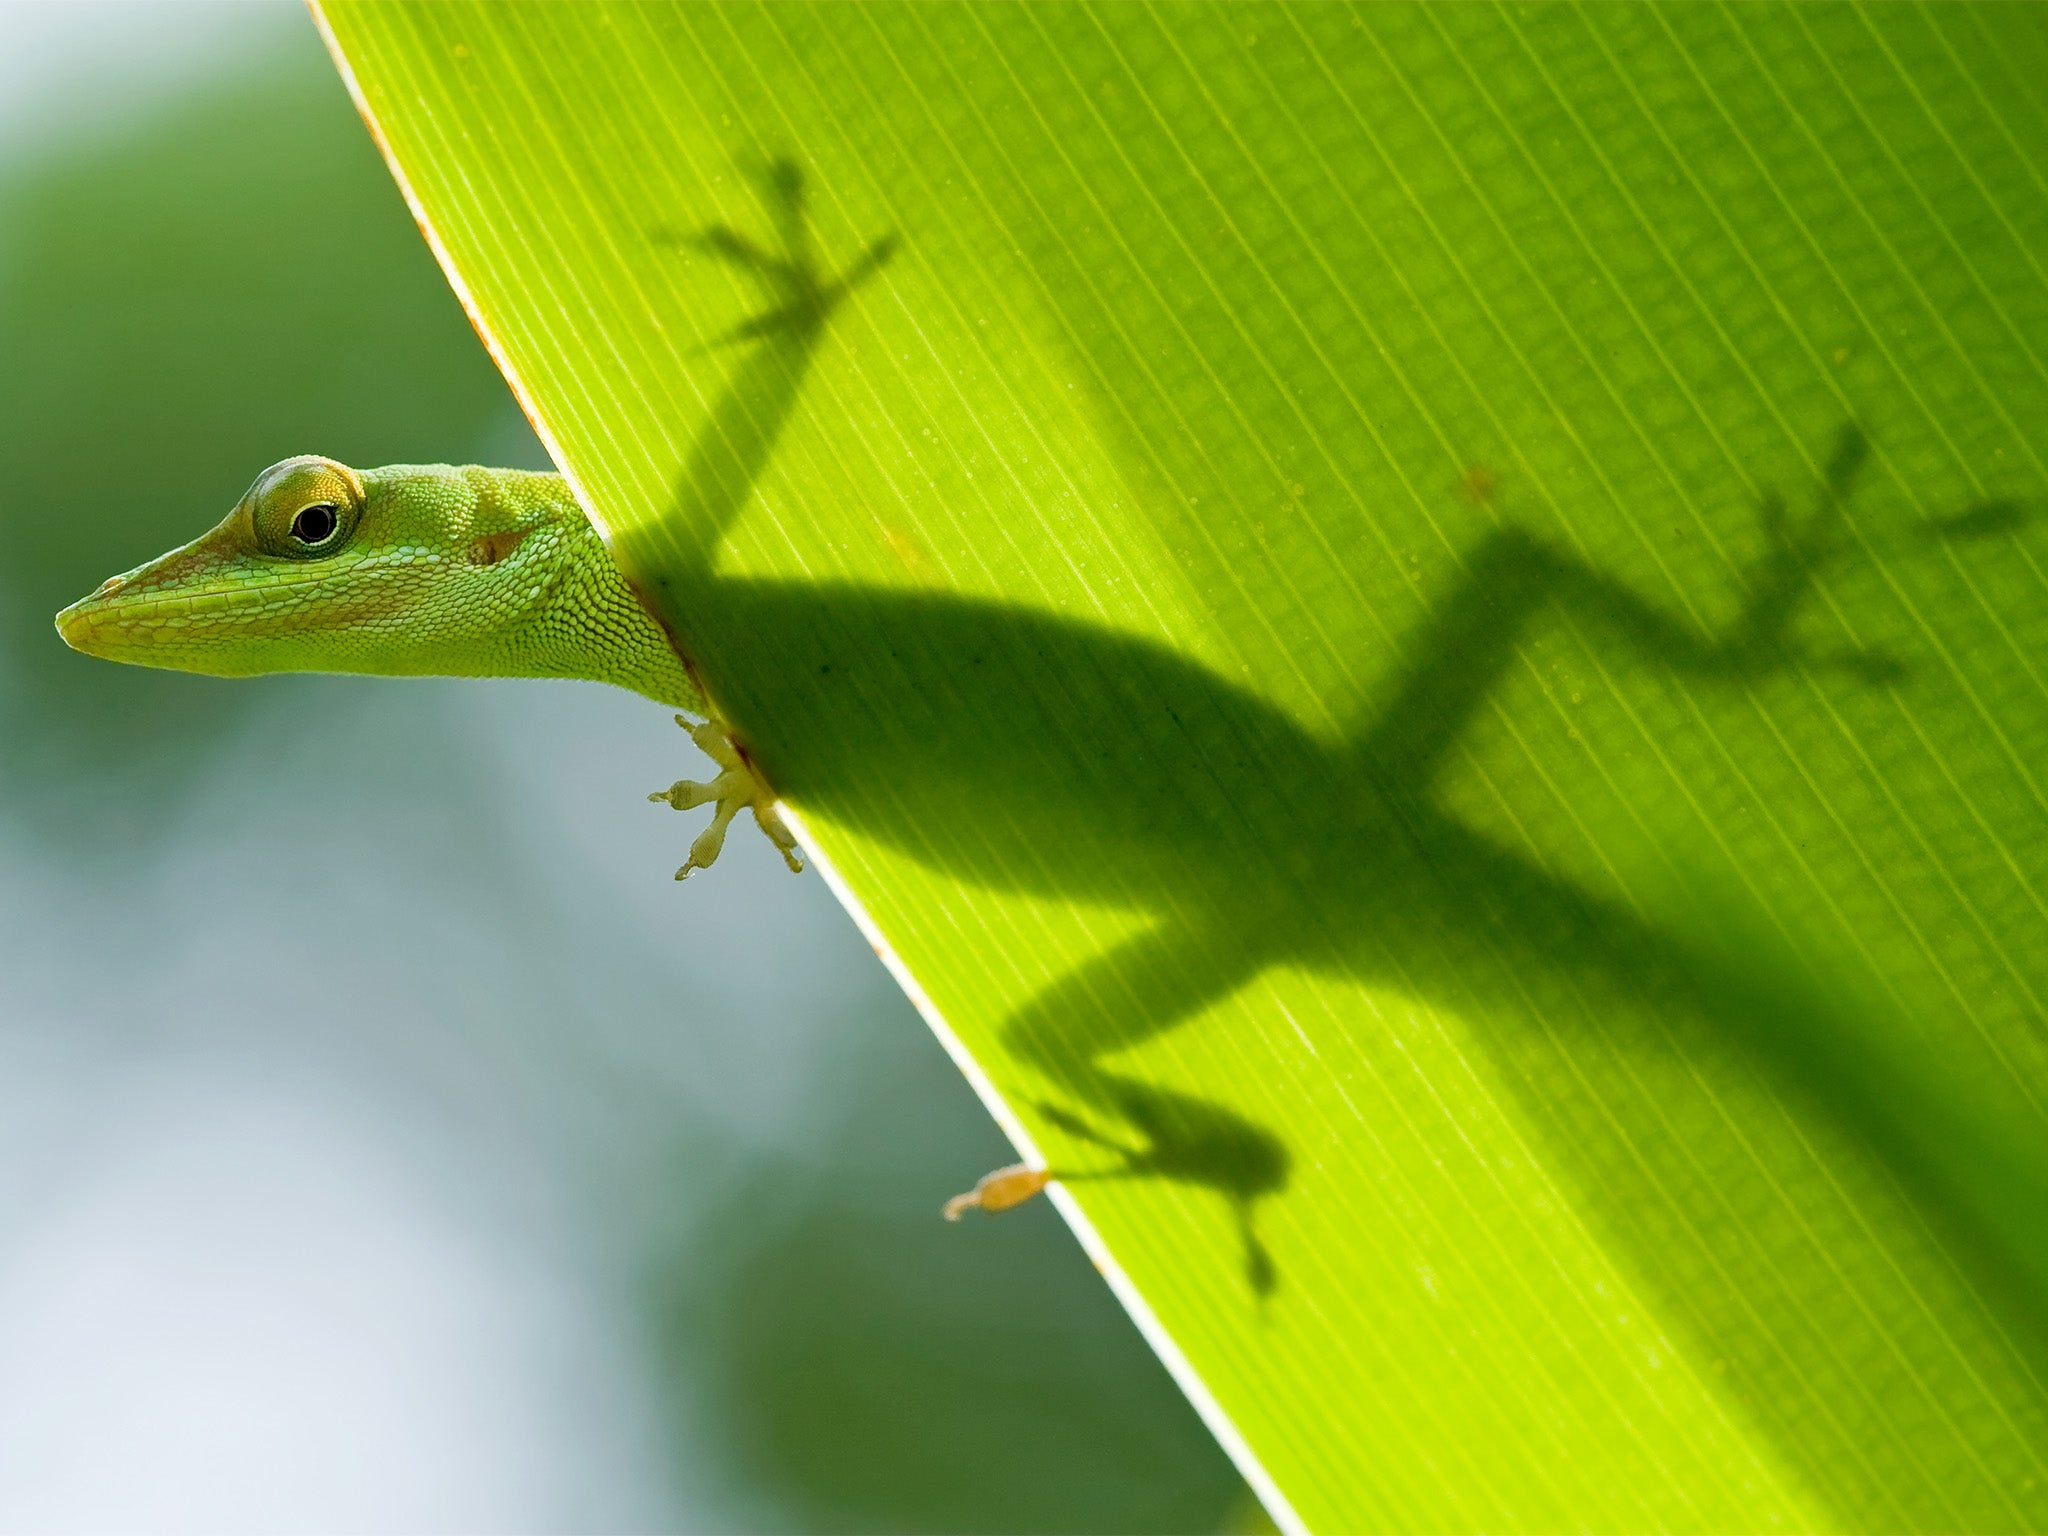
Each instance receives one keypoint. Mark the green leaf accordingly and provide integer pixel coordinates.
(1418, 629)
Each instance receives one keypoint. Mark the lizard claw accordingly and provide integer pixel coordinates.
(734, 789)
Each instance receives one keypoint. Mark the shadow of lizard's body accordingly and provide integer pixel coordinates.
(1024, 751)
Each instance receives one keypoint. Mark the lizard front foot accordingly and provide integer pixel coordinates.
(734, 790)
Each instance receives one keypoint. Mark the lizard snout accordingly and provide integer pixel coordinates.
(79, 623)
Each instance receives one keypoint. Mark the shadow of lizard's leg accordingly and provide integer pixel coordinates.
(1514, 574)
(1761, 639)
(1190, 1141)
(1141, 988)
(726, 458)
(728, 453)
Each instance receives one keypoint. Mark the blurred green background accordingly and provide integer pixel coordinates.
(385, 1143)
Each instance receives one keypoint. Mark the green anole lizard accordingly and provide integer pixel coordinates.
(455, 571)
(413, 570)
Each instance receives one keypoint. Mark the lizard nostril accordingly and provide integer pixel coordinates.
(111, 584)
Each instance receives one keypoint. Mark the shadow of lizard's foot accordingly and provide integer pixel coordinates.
(1797, 551)
(804, 295)
(735, 789)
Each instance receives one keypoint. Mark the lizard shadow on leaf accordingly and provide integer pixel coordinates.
(1190, 1141)
(1097, 767)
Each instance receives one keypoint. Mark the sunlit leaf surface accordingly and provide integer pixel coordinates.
(1423, 629)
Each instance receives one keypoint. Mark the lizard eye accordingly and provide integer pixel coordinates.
(304, 509)
(315, 525)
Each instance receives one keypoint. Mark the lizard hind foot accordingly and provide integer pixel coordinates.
(999, 1191)
(734, 789)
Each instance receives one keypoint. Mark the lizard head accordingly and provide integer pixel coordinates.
(320, 568)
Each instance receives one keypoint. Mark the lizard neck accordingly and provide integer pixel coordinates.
(589, 624)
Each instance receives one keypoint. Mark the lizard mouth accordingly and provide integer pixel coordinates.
(95, 624)
(169, 613)
(211, 607)
(127, 616)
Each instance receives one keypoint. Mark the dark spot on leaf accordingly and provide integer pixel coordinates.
(1985, 520)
